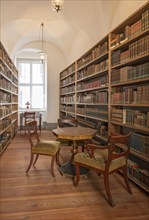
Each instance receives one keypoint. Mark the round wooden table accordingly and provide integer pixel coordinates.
(74, 134)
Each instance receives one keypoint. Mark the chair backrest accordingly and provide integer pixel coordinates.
(122, 143)
(67, 122)
(29, 116)
(33, 136)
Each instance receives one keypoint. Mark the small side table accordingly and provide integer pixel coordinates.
(74, 134)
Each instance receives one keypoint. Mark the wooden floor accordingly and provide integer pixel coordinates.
(37, 196)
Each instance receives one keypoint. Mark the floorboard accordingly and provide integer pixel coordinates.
(37, 196)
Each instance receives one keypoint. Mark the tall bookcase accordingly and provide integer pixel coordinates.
(8, 99)
(129, 84)
(92, 84)
(108, 89)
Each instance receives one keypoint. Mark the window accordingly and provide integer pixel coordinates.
(31, 83)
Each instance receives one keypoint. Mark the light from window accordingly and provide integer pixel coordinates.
(31, 83)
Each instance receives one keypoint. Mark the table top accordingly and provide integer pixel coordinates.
(74, 133)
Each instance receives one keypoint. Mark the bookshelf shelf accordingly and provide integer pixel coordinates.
(131, 105)
(110, 85)
(136, 81)
(139, 183)
(132, 61)
(142, 129)
(138, 154)
(132, 39)
(8, 99)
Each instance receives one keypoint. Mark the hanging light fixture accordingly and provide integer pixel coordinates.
(42, 46)
(57, 5)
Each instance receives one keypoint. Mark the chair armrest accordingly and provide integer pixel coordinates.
(91, 147)
(126, 151)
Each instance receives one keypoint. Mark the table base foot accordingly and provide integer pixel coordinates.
(68, 169)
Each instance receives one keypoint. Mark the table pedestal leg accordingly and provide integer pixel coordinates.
(68, 168)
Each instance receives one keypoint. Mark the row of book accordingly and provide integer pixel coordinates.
(69, 79)
(67, 99)
(92, 69)
(5, 110)
(140, 144)
(128, 73)
(98, 51)
(89, 123)
(67, 108)
(98, 97)
(5, 58)
(132, 30)
(5, 97)
(137, 48)
(67, 89)
(14, 107)
(94, 112)
(138, 174)
(70, 70)
(4, 139)
(103, 81)
(7, 74)
(7, 85)
(14, 98)
(4, 123)
(130, 95)
(131, 117)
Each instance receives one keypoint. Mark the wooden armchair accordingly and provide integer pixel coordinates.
(41, 147)
(105, 160)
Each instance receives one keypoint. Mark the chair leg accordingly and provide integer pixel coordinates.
(30, 163)
(77, 178)
(126, 179)
(52, 166)
(57, 157)
(108, 191)
(37, 155)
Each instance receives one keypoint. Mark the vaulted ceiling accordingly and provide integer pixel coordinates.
(72, 31)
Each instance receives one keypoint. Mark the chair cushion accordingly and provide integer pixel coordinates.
(99, 160)
(46, 147)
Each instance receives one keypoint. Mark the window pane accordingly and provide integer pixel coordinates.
(24, 70)
(24, 96)
(37, 73)
(37, 97)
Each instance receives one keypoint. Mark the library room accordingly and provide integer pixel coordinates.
(74, 109)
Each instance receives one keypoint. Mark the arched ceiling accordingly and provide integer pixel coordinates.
(79, 21)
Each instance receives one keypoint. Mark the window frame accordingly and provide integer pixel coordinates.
(31, 84)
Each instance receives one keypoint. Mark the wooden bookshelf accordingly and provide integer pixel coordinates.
(130, 90)
(8, 99)
(110, 84)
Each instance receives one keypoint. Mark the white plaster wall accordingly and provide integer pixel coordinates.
(56, 62)
(70, 33)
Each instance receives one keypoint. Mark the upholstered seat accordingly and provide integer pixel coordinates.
(98, 161)
(41, 147)
(46, 147)
(105, 160)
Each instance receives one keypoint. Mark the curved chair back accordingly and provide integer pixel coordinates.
(29, 116)
(32, 132)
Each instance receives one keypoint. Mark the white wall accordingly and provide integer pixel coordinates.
(56, 62)
(69, 34)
